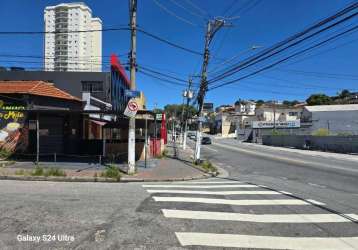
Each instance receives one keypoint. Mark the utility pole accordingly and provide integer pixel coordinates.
(131, 130)
(212, 27)
(188, 95)
(274, 115)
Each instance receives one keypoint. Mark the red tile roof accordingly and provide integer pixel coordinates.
(39, 88)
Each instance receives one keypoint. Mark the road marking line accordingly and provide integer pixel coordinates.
(284, 192)
(211, 182)
(174, 191)
(201, 186)
(232, 202)
(316, 185)
(211, 149)
(315, 202)
(250, 241)
(261, 218)
(228, 166)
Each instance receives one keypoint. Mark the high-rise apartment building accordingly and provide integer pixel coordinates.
(66, 49)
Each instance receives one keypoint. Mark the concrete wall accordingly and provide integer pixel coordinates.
(339, 144)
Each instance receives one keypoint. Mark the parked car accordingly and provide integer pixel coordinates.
(193, 137)
(205, 140)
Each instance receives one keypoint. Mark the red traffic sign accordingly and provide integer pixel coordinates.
(132, 106)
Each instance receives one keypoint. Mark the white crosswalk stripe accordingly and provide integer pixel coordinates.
(176, 191)
(281, 202)
(271, 242)
(262, 218)
(202, 186)
(257, 196)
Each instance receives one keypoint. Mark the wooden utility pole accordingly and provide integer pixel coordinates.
(131, 129)
(212, 27)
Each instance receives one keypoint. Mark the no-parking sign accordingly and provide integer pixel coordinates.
(131, 109)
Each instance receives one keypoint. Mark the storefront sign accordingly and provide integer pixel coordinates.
(278, 124)
(12, 119)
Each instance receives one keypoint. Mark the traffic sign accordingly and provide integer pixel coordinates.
(131, 93)
(158, 117)
(131, 109)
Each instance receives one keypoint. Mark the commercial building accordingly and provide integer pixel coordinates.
(108, 87)
(337, 119)
(72, 51)
(59, 132)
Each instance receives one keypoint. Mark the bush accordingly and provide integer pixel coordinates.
(4, 154)
(208, 166)
(321, 132)
(20, 172)
(38, 171)
(41, 171)
(111, 171)
(277, 132)
(344, 134)
(54, 172)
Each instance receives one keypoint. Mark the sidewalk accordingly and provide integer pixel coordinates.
(175, 166)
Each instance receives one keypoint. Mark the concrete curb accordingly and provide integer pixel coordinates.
(101, 179)
(56, 178)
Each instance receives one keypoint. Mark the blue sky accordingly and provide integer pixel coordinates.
(268, 22)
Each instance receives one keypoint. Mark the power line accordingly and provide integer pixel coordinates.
(312, 86)
(162, 74)
(293, 37)
(40, 57)
(323, 51)
(198, 8)
(257, 59)
(173, 14)
(321, 74)
(168, 42)
(283, 60)
(160, 78)
(60, 32)
(103, 30)
(189, 11)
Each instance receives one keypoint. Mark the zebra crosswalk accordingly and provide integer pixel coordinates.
(251, 209)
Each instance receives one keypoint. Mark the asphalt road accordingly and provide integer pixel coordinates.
(265, 201)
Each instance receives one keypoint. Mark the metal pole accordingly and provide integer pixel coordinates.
(187, 112)
(146, 142)
(103, 142)
(131, 130)
(37, 138)
(274, 115)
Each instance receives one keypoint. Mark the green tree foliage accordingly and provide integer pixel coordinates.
(344, 94)
(290, 103)
(319, 99)
(259, 102)
(175, 110)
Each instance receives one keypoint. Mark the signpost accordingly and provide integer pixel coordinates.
(158, 117)
(131, 93)
(131, 109)
(277, 124)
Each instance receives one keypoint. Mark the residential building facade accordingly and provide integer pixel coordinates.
(71, 50)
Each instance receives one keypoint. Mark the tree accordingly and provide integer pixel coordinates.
(319, 99)
(344, 94)
(290, 103)
(259, 102)
(175, 110)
